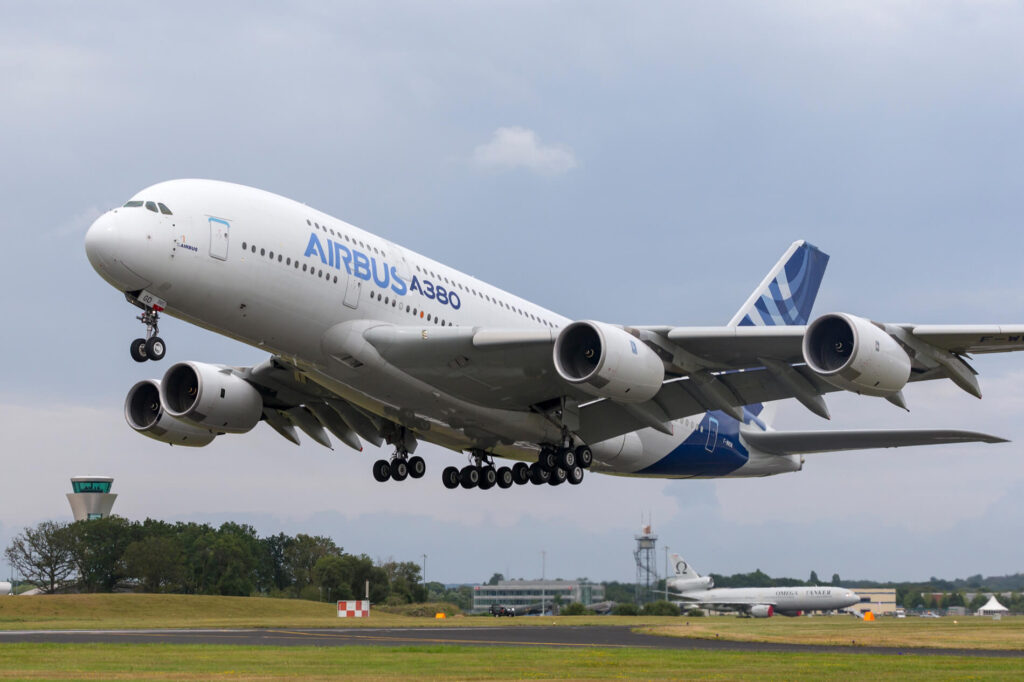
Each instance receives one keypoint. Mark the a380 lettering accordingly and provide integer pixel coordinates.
(385, 276)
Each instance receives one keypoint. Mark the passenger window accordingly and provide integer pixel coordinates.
(133, 204)
(151, 205)
(164, 209)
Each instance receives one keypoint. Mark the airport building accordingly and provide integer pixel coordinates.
(881, 601)
(539, 594)
(91, 497)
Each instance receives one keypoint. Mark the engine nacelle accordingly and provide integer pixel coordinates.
(210, 396)
(145, 414)
(608, 362)
(852, 353)
(691, 584)
(762, 610)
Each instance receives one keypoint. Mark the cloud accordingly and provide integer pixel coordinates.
(517, 147)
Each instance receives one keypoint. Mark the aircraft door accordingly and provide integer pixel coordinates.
(712, 434)
(219, 236)
(353, 287)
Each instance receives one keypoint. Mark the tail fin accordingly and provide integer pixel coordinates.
(787, 294)
(683, 569)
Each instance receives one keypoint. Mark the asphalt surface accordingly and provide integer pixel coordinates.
(563, 637)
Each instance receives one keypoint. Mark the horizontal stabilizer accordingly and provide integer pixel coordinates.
(808, 442)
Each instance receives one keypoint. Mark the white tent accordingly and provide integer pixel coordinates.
(992, 607)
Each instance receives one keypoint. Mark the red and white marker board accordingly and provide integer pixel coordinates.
(354, 609)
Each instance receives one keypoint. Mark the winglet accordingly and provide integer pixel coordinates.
(787, 294)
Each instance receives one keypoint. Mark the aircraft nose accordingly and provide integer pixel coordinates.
(106, 249)
(101, 243)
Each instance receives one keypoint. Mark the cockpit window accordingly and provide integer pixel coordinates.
(133, 204)
(164, 209)
(151, 205)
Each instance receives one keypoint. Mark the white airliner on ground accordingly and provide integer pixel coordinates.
(373, 342)
(692, 589)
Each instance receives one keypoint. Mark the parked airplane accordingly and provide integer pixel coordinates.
(692, 589)
(373, 342)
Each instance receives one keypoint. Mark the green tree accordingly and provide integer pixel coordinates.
(97, 550)
(495, 579)
(978, 601)
(625, 610)
(404, 581)
(574, 609)
(42, 555)
(836, 580)
(813, 580)
(157, 562)
(301, 555)
(333, 575)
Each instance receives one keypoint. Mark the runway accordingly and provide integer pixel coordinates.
(614, 637)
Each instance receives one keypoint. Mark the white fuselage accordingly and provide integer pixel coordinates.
(783, 599)
(278, 275)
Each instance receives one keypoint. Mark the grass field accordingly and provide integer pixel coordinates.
(188, 662)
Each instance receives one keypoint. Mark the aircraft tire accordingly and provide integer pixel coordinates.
(548, 458)
(488, 478)
(399, 470)
(138, 350)
(450, 478)
(417, 467)
(566, 458)
(538, 474)
(584, 456)
(558, 476)
(381, 470)
(575, 475)
(469, 477)
(505, 479)
(521, 473)
(156, 348)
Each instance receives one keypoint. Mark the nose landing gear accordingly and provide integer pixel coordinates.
(400, 467)
(152, 347)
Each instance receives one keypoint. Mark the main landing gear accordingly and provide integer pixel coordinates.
(400, 467)
(152, 347)
(555, 466)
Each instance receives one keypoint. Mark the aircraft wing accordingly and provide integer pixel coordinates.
(807, 442)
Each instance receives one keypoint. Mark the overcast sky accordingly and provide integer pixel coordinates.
(631, 162)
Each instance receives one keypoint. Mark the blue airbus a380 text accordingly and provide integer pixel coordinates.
(373, 343)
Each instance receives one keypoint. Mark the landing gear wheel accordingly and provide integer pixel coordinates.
(505, 479)
(488, 477)
(538, 474)
(575, 475)
(138, 350)
(548, 458)
(450, 478)
(558, 476)
(399, 470)
(417, 467)
(584, 456)
(381, 470)
(155, 348)
(566, 458)
(469, 477)
(521, 473)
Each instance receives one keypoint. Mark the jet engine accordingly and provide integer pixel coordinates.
(852, 353)
(691, 584)
(762, 610)
(608, 362)
(145, 414)
(211, 396)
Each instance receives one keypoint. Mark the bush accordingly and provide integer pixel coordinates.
(695, 613)
(574, 609)
(625, 610)
(660, 608)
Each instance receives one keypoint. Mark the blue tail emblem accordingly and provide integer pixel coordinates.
(787, 294)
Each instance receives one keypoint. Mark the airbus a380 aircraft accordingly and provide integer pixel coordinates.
(376, 343)
(758, 602)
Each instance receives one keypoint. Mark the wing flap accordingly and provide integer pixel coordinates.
(809, 442)
(964, 339)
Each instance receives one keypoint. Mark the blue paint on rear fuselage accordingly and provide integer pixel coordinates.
(714, 449)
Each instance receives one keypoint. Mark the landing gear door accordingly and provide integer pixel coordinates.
(712, 434)
(219, 235)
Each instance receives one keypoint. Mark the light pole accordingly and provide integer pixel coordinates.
(543, 571)
(424, 570)
(666, 572)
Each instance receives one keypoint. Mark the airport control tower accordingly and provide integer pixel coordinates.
(91, 498)
(646, 571)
